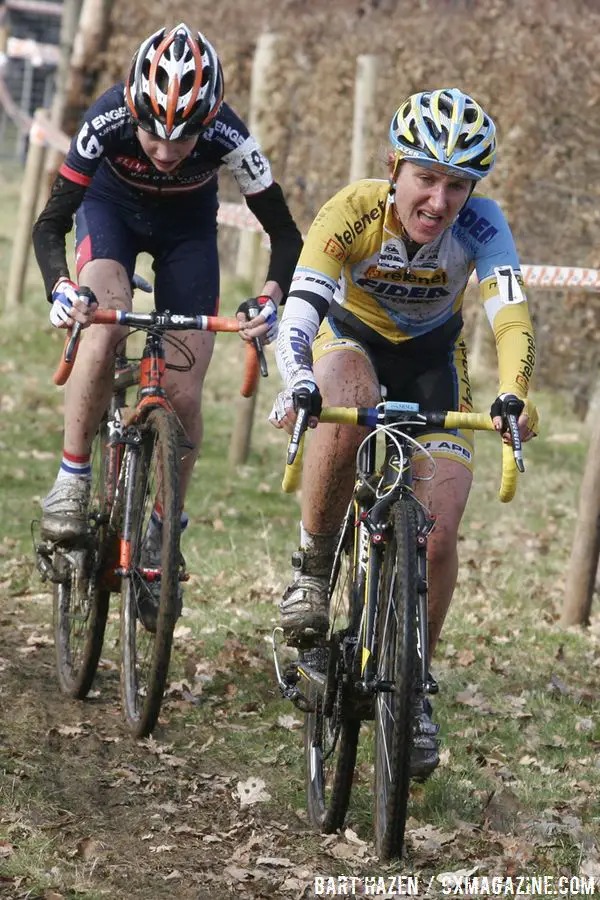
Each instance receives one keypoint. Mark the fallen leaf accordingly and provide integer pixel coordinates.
(173, 876)
(289, 722)
(278, 861)
(238, 874)
(252, 791)
(87, 848)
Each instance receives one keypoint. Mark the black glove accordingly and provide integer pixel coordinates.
(506, 405)
(306, 395)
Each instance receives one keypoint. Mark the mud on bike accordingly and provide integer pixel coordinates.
(135, 467)
(375, 657)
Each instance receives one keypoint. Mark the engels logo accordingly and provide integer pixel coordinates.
(88, 144)
(111, 115)
(359, 225)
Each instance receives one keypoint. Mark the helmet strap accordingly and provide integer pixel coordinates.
(393, 178)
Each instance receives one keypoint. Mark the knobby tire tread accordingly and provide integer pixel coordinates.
(327, 814)
(399, 586)
(76, 680)
(160, 435)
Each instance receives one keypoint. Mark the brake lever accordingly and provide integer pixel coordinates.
(515, 435)
(299, 428)
(253, 312)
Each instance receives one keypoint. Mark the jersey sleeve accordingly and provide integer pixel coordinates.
(242, 155)
(50, 230)
(324, 253)
(487, 234)
(99, 132)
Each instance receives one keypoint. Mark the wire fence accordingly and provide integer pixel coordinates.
(29, 66)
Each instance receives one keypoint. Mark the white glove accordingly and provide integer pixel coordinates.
(283, 402)
(285, 399)
(64, 295)
(269, 314)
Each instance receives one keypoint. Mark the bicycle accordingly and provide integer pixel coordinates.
(375, 657)
(135, 465)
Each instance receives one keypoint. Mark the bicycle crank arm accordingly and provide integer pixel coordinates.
(288, 681)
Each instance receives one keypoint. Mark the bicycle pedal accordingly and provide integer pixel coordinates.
(431, 686)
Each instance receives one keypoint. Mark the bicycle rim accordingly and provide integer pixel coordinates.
(80, 603)
(396, 665)
(145, 656)
(330, 733)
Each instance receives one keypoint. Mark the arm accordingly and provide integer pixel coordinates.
(272, 211)
(50, 230)
(503, 296)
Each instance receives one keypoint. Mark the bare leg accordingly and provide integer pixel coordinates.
(345, 378)
(185, 394)
(89, 387)
(446, 496)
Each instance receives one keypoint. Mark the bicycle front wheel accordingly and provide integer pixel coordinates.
(330, 731)
(80, 603)
(396, 672)
(145, 655)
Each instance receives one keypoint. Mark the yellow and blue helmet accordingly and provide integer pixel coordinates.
(445, 127)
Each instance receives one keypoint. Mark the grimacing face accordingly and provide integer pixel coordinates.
(428, 199)
(165, 155)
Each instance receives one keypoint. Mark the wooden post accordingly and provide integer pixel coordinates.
(250, 257)
(364, 115)
(27, 207)
(585, 551)
(68, 30)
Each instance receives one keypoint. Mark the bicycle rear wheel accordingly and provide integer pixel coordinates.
(396, 668)
(330, 731)
(145, 656)
(80, 603)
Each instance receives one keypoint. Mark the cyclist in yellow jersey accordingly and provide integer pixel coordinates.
(377, 299)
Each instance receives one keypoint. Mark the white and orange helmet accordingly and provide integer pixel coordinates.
(175, 84)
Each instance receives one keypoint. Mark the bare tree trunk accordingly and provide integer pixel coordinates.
(583, 565)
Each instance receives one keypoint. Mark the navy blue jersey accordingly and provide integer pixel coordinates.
(107, 150)
(106, 166)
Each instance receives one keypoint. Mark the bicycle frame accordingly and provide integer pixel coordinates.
(369, 523)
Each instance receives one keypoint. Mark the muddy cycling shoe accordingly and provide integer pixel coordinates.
(304, 607)
(424, 757)
(148, 600)
(65, 510)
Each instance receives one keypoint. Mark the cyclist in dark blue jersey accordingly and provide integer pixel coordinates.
(141, 176)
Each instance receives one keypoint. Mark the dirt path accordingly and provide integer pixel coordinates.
(114, 817)
(86, 812)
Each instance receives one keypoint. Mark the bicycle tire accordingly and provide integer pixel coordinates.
(145, 656)
(80, 605)
(331, 741)
(396, 664)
